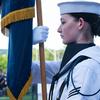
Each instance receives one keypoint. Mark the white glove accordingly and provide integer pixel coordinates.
(40, 34)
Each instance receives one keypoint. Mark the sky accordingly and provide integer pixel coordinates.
(51, 18)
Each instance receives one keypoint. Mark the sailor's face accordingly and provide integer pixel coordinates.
(68, 29)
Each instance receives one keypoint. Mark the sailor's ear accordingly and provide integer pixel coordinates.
(81, 23)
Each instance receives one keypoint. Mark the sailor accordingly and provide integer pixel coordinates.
(78, 77)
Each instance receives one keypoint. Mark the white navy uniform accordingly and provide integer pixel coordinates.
(86, 76)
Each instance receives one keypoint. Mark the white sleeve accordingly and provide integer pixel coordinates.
(52, 67)
(86, 77)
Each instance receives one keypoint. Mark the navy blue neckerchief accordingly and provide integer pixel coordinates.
(71, 50)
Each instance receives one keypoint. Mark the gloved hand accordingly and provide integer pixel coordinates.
(40, 34)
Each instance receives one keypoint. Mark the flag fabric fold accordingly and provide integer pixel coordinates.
(17, 18)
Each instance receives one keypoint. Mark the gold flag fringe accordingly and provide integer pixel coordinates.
(23, 92)
(18, 15)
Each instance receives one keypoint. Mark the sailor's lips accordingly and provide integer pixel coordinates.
(62, 36)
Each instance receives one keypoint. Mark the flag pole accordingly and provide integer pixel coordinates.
(41, 51)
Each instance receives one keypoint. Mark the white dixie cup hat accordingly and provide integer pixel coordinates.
(79, 6)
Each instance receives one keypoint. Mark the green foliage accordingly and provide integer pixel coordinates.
(35, 55)
(3, 62)
(50, 55)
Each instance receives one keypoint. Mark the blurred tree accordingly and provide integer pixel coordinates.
(3, 62)
(50, 55)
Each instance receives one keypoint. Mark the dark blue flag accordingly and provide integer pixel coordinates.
(17, 18)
